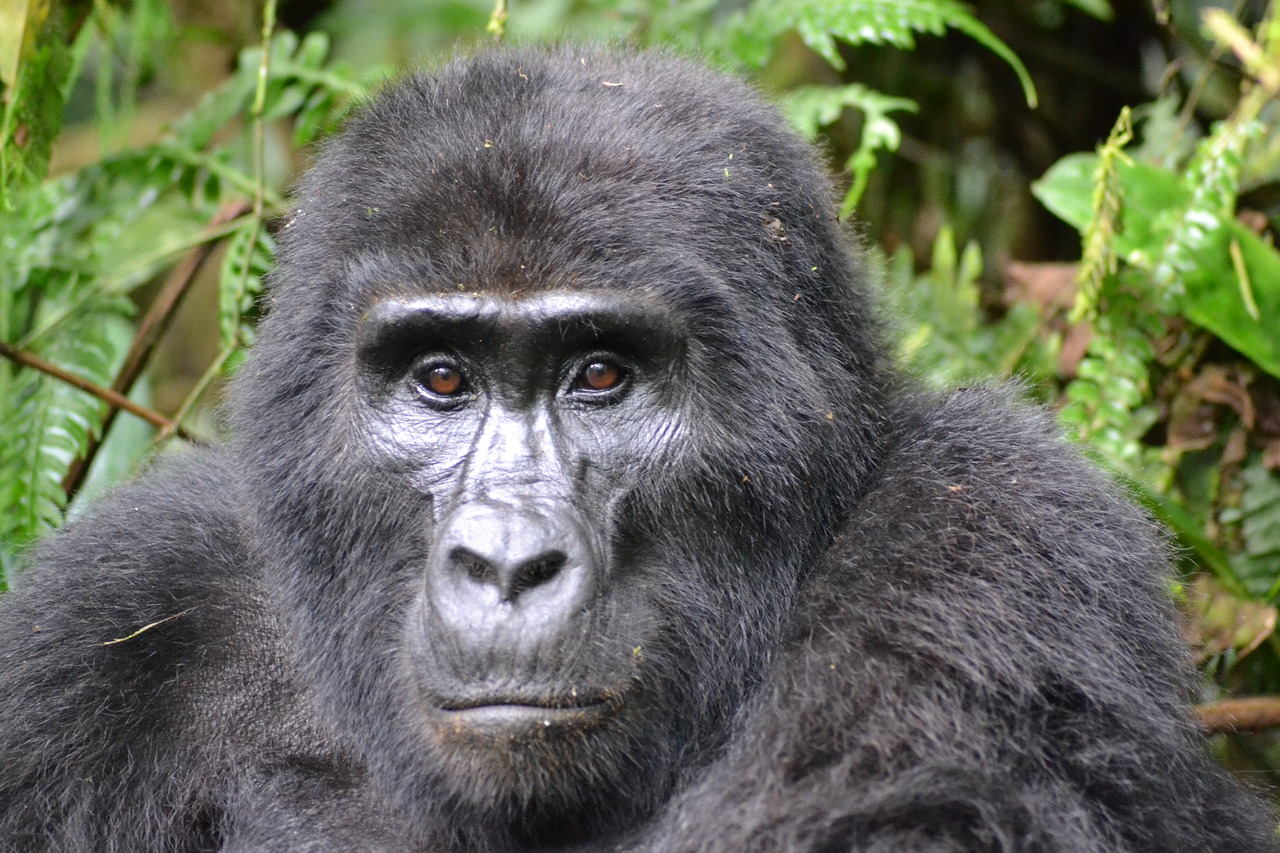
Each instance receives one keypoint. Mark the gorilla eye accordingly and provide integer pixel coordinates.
(598, 376)
(442, 380)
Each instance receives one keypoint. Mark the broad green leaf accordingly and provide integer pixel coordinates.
(1099, 9)
(1240, 309)
(34, 62)
(20, 21)
(1151, 194)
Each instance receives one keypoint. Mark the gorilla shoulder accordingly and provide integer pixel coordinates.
(140, 666)
(163, 548)
(990, 620)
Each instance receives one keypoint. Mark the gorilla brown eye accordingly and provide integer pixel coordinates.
(443, 380)
(599, 376)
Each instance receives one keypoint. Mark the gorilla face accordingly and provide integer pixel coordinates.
(563, 389)
(560, 631)
(521, 426)
(523, 422)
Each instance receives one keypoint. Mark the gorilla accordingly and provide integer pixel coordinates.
(573, 504)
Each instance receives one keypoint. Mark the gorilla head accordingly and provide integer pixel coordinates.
(564, 386)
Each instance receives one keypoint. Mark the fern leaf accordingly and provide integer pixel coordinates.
(819, 23)
(1260, 508)
(47, 423)
(249, 257)
(812, 107)
(1213, 179)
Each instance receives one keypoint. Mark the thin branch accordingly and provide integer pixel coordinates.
(1254, 714)
(193, 397)
(113, 398)
(497, 26)
(150, 330)
(260, 193)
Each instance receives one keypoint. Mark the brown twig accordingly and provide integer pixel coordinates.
(150, 330)
(112, 398)
(1254, 714)
(156, 320)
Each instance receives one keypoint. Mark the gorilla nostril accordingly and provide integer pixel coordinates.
(475, 567)
(536, 572)
(512, 577)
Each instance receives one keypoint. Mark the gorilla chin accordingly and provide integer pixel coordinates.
(574, 503)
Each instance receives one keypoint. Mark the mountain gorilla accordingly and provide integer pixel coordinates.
(572, 504)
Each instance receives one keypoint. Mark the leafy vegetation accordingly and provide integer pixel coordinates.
(1154, 334)
(77, 245)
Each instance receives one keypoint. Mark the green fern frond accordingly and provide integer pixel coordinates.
(1109, 403)
(47, 423)
(241, 283)
(1260, 510)
(1213, 179)
(810, 108)
(1256, 521)
(819, 23)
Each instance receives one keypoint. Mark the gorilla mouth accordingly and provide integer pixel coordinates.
(505, 712)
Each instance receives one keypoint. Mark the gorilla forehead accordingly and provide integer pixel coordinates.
(529, 172)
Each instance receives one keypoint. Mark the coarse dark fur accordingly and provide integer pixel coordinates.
(872, 618)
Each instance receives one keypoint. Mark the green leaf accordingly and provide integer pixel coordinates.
(1151, 194)
(241, 283)
(1213, 180)
(20, 21)
(34, 63)
(812, 107)
(945, 333)
(47, 423)
(1181, 228)
(1260, 511)
(1240, 309)
(1099, 9)
(819, 23)
(1258, 517)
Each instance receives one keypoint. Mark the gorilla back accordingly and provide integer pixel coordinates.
(572, 504)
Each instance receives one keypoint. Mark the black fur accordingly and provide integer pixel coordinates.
(863, 617)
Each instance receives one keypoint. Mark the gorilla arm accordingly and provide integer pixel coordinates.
(984, 661)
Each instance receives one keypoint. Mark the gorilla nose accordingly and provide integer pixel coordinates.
(495, 553)
(510, 572)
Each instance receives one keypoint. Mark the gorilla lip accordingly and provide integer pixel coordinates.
(505, 712)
